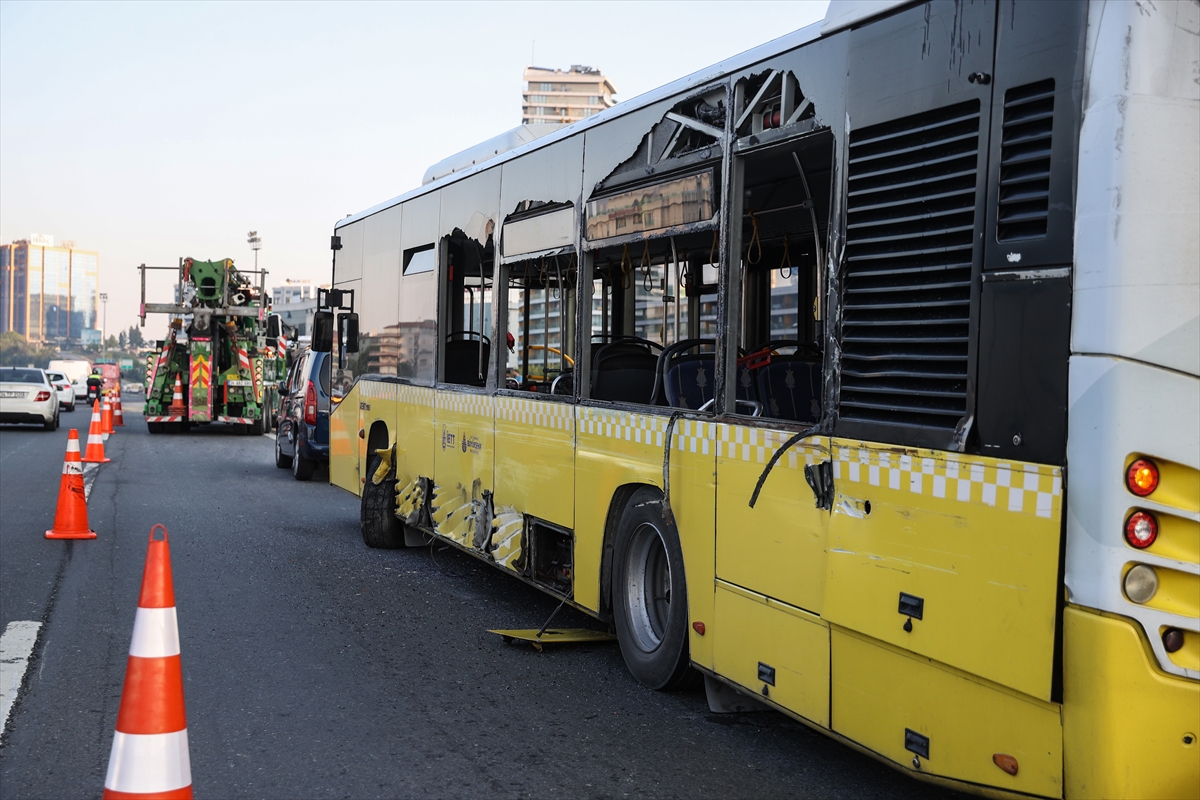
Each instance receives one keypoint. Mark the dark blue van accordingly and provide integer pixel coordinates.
(302, 419)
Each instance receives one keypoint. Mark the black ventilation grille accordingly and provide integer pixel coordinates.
(907, 283)
(1024, 200)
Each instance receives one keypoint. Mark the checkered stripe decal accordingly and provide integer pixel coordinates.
(478, 405)
(757, 446)
(539, 413)
(402, 392)
(1019, 488)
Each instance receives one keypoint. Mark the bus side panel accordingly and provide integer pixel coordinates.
(951, 556)
(343, 442)
(463, 465)
(774, 650)
(616, 448)
(535, 458)
(413, 432)
(776, 548)
(880, 694)
(693, 498)
(1125, 723)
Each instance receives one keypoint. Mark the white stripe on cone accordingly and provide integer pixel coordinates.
(155, 633)
(142, 763)
(72, 466)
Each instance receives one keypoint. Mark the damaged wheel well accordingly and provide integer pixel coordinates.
(619, 500)
(377, 438)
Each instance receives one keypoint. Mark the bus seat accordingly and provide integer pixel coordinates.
(687, 380)
(462, 358)
(790, 388)
(624, 372)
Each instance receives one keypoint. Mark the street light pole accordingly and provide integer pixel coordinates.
(255, 245)
(104, 324)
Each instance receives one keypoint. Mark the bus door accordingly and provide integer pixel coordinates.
(535, 412)
(464, 422)
(772, 526)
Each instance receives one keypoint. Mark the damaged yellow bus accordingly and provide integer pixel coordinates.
(858, 372)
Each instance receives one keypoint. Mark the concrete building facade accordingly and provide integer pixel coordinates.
(49, 293)
(558, 96)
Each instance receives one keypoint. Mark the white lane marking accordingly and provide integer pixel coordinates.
(90, 471)
(272, 435)
(15, 646)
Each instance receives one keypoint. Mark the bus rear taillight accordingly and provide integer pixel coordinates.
(1141, 529)
(1142, 477)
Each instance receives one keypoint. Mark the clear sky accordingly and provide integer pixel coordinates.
(150, 131)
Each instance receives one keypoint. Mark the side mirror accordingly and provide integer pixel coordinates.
(349, 326)
(274, 326)
(283, 389)
(322, 333)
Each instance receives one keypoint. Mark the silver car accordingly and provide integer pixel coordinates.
(26, 395)
(66, 391)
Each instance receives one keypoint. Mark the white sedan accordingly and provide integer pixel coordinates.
(26, 395)
(66, 391)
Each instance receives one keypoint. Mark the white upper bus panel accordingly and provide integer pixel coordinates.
(1137, 244)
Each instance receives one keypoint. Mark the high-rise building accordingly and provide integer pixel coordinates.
(296, 302)
(49, 293)
(555, 96)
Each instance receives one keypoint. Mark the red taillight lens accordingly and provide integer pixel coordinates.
(310, 404)
(1141, 529)
(1142, 477)
(41, 397)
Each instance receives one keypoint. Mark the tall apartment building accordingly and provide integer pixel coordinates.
(49, 293)
(296, 302)
(555, 96)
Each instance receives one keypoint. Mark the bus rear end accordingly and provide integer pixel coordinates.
(1131, 646)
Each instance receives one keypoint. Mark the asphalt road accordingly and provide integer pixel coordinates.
(315, 667)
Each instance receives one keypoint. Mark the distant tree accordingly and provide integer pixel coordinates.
(121, 340)
(16, 352)
(110, 342)
(135, 336)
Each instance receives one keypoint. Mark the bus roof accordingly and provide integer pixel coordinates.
(840, 14)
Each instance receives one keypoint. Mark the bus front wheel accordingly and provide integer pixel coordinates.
(649, 593)
(380, 528)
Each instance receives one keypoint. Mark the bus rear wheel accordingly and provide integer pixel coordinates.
(649, 593)
(380, 528)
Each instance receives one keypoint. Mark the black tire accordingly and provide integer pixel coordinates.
(380, 528)
(649, 593)
(154, 427)
(281, 461)
(302, 468)
(255, 428)
(52, 425)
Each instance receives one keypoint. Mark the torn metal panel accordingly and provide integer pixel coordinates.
(508, 526)
(455, 510)
(554, 636)
(410, 500)
(553, 231)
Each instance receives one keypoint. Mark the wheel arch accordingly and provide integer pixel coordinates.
(378, 437)
(616, 505)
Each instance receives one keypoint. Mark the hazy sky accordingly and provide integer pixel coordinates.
(150, 131)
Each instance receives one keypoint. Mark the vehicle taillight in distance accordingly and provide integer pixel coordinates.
(1141, 529)
(310, 404)
(1142, 477)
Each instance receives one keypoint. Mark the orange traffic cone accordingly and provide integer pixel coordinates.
(70, 517)
(95, 444)
(177, 407)
(118, 417)
(149, 757)
(106, 423)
